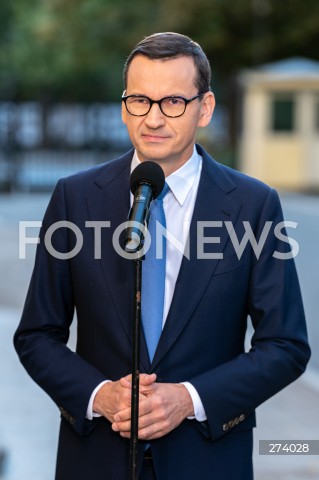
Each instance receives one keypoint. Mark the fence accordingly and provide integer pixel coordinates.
(41, 143)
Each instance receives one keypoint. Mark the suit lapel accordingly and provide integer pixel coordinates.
(214, 203)
(109, 200)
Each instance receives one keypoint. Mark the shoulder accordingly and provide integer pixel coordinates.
(100, 174)
(232, 181)
(255, 198)
(74, 190)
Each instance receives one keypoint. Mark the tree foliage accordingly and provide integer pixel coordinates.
(75, 49)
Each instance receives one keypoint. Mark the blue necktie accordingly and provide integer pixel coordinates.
(153, 278)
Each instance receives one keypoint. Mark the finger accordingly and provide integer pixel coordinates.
(122, 421)
(147, 379)
(123, 415)
(126, 382)
(151, 432)
(121, 426)
(151, 427)
(147, 427)
(148, 384)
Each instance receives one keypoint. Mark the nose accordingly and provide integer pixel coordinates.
(155, 117)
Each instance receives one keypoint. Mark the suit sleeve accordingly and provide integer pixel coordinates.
(279, 347)
(41, 337)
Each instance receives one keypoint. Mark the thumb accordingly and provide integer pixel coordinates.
(126, 382)
(147, 379)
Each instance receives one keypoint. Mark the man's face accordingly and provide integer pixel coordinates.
(167, 141)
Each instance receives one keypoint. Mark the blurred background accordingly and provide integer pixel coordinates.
(60, 87)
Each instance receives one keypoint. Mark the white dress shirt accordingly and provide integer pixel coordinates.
(178, 205)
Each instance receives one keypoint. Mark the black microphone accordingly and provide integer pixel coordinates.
(147, 182)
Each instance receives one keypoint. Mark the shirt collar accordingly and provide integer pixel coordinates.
(182, 180)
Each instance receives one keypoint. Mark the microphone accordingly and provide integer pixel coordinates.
(147, 182)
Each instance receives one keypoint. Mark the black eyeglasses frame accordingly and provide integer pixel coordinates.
(159, 102)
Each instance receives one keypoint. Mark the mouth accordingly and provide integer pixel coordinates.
(154, 138)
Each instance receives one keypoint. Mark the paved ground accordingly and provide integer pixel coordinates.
(28, 418)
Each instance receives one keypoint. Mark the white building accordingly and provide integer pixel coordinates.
(279, 141)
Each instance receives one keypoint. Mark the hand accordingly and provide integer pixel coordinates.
(162, 407)
(114, 397)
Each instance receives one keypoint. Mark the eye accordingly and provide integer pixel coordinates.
(175, 101)
(139, 100)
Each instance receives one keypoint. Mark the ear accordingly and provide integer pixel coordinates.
(207, 109)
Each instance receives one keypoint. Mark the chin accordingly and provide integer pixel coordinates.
(153, 154)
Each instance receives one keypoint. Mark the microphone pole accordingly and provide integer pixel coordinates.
(134, 245)
(135, 370)
(147, 182)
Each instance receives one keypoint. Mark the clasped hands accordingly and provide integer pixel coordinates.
(162, 406)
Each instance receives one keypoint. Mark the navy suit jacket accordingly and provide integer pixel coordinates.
(203, 338)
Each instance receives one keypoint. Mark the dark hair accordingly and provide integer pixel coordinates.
(169, 45)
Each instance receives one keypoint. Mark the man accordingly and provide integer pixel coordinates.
(199, 391)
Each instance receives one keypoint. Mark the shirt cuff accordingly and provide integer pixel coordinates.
(199, 410)
(89, 412)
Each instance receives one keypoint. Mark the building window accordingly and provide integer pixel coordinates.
(283, 113)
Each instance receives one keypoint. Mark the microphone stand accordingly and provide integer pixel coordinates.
(133, 248)
(135, 370)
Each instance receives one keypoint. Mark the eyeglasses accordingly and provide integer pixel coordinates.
(173, 106)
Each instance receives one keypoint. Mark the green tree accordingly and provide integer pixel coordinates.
(6, 22)
(75, 49)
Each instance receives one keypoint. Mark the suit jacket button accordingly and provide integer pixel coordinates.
(225, 427)
(231, 424)
(241, 417)
(236, 421)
